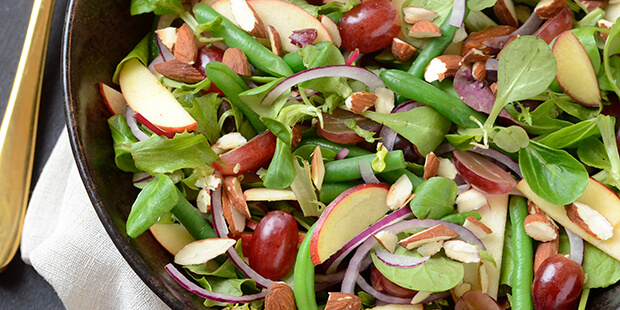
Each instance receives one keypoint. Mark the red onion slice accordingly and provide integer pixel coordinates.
(396, 260)
(352, 57)
(576, 247)
(196, 289)
(219, 225)
(491, 64)
(164, 52)
(365, 76)
(333, 262)
(342, 153)
(529, 27)
(458, 13)
(159, 59)
(367, 174)
(133, 125)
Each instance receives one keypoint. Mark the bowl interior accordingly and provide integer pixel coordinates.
(97, 35)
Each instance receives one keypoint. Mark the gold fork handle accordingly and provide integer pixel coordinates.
(18, 131)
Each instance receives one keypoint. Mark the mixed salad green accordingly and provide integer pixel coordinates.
(430, 154)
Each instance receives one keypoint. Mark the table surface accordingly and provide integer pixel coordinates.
(21, 287)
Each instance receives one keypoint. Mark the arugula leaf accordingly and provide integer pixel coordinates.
(304, 190)
(212, 268)
(570, 106)
(602, 269)
(542, 120)
(553, 174)
(437, 274)
(123, 139)
(162, 155)
(479, 5)
(423, 126)
(140, 51)
(157, 198)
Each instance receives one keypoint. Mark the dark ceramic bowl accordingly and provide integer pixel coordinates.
(97, 35)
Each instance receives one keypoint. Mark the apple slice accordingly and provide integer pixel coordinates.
(575, 73)
(113, 99)
(597, 196)
(345, 217)
(147, 96)
(201, 251)
(248, 157)
(173, 237)
(556, 25)
(283, 16)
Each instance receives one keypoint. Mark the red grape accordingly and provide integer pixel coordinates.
(369, 26)
(482, 174)
(383, 285)
(206, 55)
(274, 245)
(476, 300)
(557, 284)
(335, 130)
(555, 25)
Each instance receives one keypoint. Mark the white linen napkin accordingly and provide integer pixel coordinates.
(67, 245)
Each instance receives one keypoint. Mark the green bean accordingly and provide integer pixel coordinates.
(434, 48)
(303, 277)
(231, 84)
(261, 57)
(354, 151)
(348, 169)
(192, 220)
(329, 191)
(459, 218)
(416, 89)
(392, 176)
(522, 255)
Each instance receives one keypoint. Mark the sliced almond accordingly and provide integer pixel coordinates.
(179, 71)
(201, 251)
(479, 71)
(268, 194)
(237, 61)
(167, 36)
(506, 13)
(476, 39)
(228, 142)
(399, 192)
(388, 240)
(459, 36)
(603, 23)
(342, 301)
(470, 200)
(209, 182)
(442, 67)
(431, 166)
(419, 297)
(539, 228)
(435, 233)
(493, 88)
(459, 290)
(246, 18)
(185, 48)
(532, 208)
(431, 248)
(484, 277)
(232, 187)
(591, 5)
(461, 251)
(332, 29)
(280, 296)
(446, 168)
(317, 168)
(402, 50)
(549, 8)
(385, 100)
(203, 200)
(274, 40)
(424, 29)
(544, 251)
(414, 14)
(235, 220)
(360, 101)
(590, 220)
(477, 227)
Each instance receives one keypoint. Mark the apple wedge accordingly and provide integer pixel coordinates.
(113, 99)
(575, 73)
(147, 96)
(597, 196)
(173, 237)
(283, 16)
(345, 217)
(248, 157)
(202, 251)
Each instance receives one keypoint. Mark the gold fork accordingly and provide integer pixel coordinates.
(18, 131)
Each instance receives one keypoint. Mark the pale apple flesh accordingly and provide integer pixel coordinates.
(173, 237)
(597, 196)
(147, 96)
(281, 15)
(494, 216)
(575, 73)
(347, 216)
(113, 99)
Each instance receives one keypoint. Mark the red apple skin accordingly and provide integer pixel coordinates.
(250, 156)
(314, 241)
(153, 128)
(555, 25)
(114, 106)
